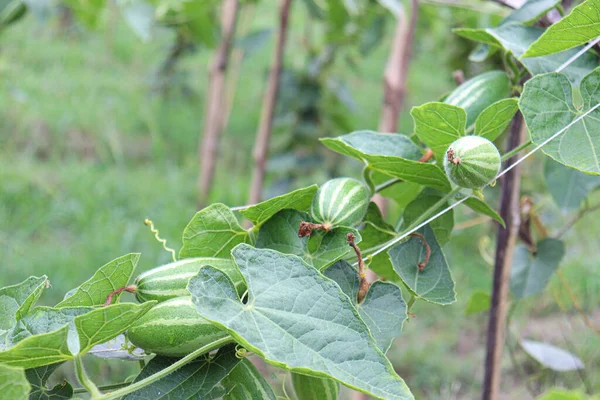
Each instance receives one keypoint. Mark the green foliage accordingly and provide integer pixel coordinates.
(108, 278)
(563, 394)
(13, 383)
(246, 383)
(17, 300)
(325, 338)
(297, 200)
(568, 186)
(581, 25)
(492, 121)
(38, 377)
(434, 283)
(213, 232)
(531, 272)
(478, 302)
(548, 107)
(438, 125)
(442, 226)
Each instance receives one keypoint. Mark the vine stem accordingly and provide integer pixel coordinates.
(103, 388)
(516, 150)
(84, 379)
(171, 368)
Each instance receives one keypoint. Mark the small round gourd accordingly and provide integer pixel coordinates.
(173, 328)
(472, 162)
(340, 202)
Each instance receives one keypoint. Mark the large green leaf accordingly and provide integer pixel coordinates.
(568, 186)
(312, 387)
(50, 335)
(213, 232)
(383, 309)
(297, 200)
(392, 154)
(320, 250)
(531, 272)
(38, 377)
(547, 106)
(438, 125)
(246, 383)
(494, 120)
(108, 278)
(517, 38)
(442, 225)
(13, 384)
(296, 319)
(16, 300)
(478, 302)
(200, 379)
(580, 26)
(434, 283)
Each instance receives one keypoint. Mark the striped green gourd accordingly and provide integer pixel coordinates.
(472, 162)
(312, 387)
(170, 280)
(476, 94)
(340, 202)
(173, 328)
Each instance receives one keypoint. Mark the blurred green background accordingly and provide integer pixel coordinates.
(89, 148)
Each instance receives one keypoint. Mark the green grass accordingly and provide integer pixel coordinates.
(88, 151)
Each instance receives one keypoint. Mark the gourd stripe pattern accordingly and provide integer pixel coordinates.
(476, 162)
(340, 202)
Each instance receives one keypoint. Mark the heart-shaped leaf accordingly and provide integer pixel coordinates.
(296, 319)
(13, 383)
(108, 278)
(320, 250)
(51, 335)
(442, 226)
(383, 309)
(547, 106)
(16, 300)
(213, 232)
(434, 283)
(580, 26)
(551, 356)
(438, 125)
(568, 186)
(530, 273)
(38, 377)
(297, 200)
(494, 120)
(200, 379)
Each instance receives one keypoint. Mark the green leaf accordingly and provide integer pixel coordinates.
(550, 356)
(200, 379)
(213, 232)
(479, 92)
(118, 348)
(530, 273)
(108, 278)
(375, 232)
(296, 319)
(568, 186)
(246, 383)
(494, 120)
(483, 208)
(547, 106)
(434, 284)
(580, 26)
(383, 309)
(297, 200)
(17, 300)
(438, 125)
(360, 143)
(442, 226)
(13, 384)
(87, 11)
(311, 387)
(38, 377)
(563, 394)
(530, 12)
(321, 250)
(51, 335)
(478, 302)
(517, 38)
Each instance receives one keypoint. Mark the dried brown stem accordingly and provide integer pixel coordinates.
(261, 146)
(427, 156)
(451, 157)
(423, 263)
(109, 298)
(306, 228)
(215, 102)
(363, 285)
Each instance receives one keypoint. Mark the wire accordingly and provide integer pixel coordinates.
(576, 56)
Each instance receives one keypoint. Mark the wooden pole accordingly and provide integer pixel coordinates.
(505, 245)
(215, 104)
(261, 145)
